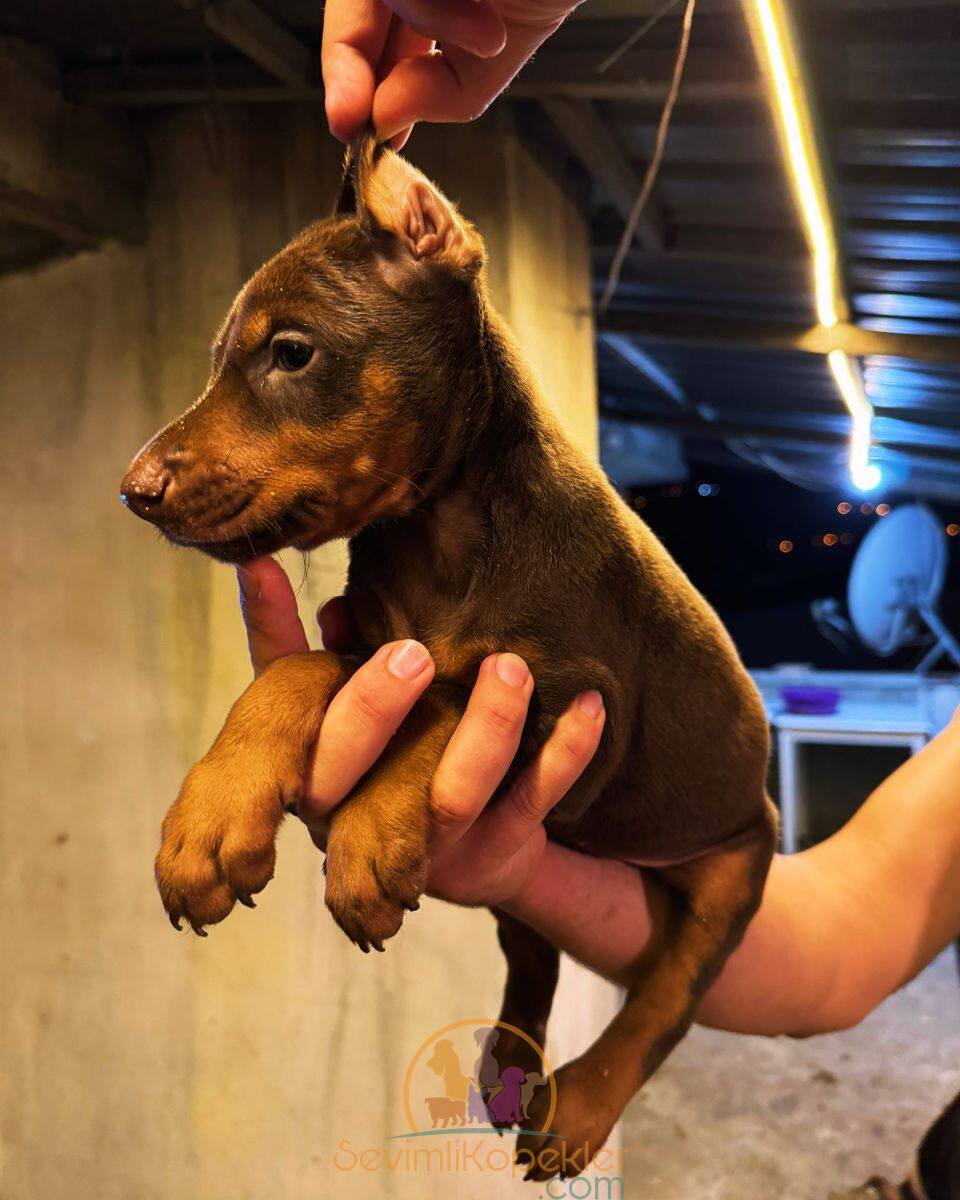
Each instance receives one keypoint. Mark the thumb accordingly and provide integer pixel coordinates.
(269, 610)
(450, 84)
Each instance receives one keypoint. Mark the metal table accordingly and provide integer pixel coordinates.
(856, 723)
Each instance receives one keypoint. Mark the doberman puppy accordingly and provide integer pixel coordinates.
(362, 386)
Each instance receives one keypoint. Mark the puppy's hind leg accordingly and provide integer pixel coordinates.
(709, 903)
(533, 966)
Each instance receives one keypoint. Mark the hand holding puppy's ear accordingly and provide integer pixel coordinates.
(389, 195)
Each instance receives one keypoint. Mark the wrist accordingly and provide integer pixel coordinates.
(526, 899)
(536, 897)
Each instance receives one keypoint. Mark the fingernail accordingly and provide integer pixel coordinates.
(512, 670)
(590, 704)
(407, 660)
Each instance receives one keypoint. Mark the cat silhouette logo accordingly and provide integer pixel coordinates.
(479, 1075)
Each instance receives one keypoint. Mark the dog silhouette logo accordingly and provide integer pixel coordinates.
(481, 1075)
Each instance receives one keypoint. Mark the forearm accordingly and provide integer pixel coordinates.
(596, 910)
(841, 925)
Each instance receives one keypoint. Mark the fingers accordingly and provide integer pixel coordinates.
(402, 42)
(556, 768)
(474, 25)
(482, 747)
(454, 85)
(362, 41)
(269, 610)
(354, 34)
(361, 719)
(337, 626)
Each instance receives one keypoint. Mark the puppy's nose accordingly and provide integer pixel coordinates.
(144, 487)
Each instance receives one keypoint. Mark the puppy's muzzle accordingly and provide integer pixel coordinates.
(182, 494)
(145, 487)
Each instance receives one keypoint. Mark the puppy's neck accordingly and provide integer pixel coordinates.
(493, 487)
(500, 445)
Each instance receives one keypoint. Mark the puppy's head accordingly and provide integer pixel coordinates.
(335, 378)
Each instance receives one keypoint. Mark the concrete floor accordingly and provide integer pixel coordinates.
(734, 1118)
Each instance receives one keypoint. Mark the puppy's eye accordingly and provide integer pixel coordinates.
(291, 354)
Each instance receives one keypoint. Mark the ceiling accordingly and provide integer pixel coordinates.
(709, 334)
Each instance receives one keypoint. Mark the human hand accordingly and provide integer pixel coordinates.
(480, 853)
(379, 59)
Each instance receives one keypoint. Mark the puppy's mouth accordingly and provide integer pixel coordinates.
(249, 532)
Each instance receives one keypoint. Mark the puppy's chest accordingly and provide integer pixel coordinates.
(388, 613)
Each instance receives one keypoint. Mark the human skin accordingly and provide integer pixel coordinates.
(379, 60)
(841, 925)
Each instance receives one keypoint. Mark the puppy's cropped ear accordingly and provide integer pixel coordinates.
(391, 196)
(346, 205)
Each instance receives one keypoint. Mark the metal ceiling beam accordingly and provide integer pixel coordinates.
(592, 143)
(635, 10)
(695, 91)
(648, 368)
(248, 29)
(74, 175)
(722, 430)
(720, 334)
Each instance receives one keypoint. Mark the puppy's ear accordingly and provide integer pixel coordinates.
(346, 205)
(390, 196)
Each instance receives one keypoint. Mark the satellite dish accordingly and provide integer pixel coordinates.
(895, 585)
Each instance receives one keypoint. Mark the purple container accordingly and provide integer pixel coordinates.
(811, 701)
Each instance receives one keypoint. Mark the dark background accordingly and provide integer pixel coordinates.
(728, 543)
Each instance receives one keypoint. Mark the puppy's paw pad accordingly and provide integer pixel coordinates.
(359, 906)
(401, 873)
(372, 880)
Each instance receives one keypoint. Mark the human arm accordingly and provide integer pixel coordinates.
(841, 925)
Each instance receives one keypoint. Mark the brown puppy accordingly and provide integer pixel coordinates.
(362, 387)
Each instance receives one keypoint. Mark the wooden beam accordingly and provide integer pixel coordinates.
(248, 29)
(720, 334)
(66, 171)
(592, 143)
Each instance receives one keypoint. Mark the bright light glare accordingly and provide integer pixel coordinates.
(795, 127)
(867, 478)
(865, 474)
(774, 39)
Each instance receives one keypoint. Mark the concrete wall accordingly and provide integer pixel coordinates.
(137, 1063)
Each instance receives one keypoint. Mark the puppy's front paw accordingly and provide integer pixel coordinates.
(372, 879)
(217, 846)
